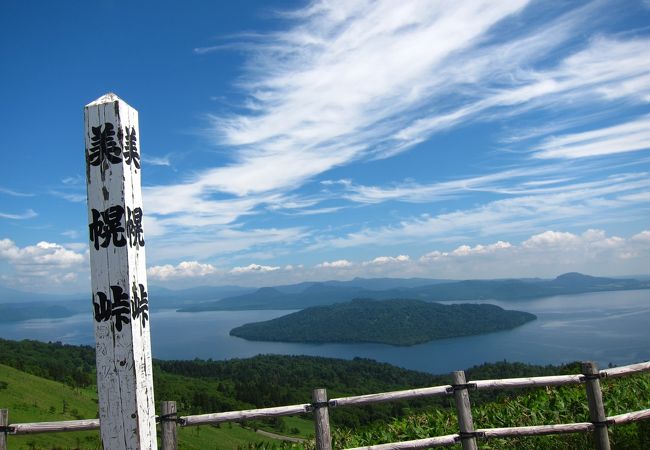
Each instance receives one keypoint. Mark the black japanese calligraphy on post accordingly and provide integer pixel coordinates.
(104, 148)
(134, 227)
(106, 226)
(140, 304)
(131, 154)
(116, 306)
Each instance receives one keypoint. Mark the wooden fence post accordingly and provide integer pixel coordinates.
(4, 423)
(464, 411)
(321, 420)
(118, 276)
(168, 426)
(596, 407)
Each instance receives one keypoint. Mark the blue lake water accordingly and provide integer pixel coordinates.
(607, 327)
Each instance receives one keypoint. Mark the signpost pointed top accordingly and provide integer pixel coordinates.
(106, 98)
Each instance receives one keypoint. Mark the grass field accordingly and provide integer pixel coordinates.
(32, 399)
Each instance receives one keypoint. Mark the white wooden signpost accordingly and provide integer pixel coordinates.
(120, 301)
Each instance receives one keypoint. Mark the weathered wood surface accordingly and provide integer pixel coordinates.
(169, 435)
(391, 396)
(233, 416)
(626, 370)
(596, 406)
(537, 430)
(508, 383)
(630, 417)
(4, 421)
(55, 427)
(440, 441)
(463, 411)
(118, 275)
(321, 420)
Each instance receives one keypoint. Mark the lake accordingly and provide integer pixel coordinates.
(607, 327)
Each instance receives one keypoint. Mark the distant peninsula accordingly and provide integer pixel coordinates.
(395, 322)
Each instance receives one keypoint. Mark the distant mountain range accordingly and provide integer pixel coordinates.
(307, 294)
(317, 294)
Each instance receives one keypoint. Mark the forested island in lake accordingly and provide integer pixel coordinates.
(395, 322)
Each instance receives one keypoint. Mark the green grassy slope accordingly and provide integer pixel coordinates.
(33, 399)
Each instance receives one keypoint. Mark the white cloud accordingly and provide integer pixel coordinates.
(184, 269)
(351, 81)
(14, 193)
(318, 90)
(157, 161)
(545, 254)
(551, 239)
(388, 259)
(220, 242)
(43, 265)
(498, 182)
(627, 137)
(70, 196)
(466, 250)
(254, 268)
(41, 254)
(545, 206)
(338, 264)
(583, 78)
(72, 234)
(29, 214)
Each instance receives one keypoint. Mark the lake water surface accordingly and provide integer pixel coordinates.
(607, 327)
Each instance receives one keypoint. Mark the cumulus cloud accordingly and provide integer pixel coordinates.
(466, 250)
(548, 253)
(388, 259)
(338, 264)
(184, 269)
(254, 268)
(42, 265)
(41, 254)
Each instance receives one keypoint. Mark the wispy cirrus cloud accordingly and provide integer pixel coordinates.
(626, 137)
(221, 241)
(580, 79)
(351, 81)
(318, 91)
(505, 181)
(29, 214)
(573, 204)
(157, 161)
(14, 193)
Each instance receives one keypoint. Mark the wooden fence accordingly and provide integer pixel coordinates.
(320, 405)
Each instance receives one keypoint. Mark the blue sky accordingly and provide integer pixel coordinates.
(294, 141)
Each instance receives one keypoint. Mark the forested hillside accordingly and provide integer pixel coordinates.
(211, 386)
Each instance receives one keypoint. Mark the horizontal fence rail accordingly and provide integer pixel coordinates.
(535, 430)
(467, 438)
